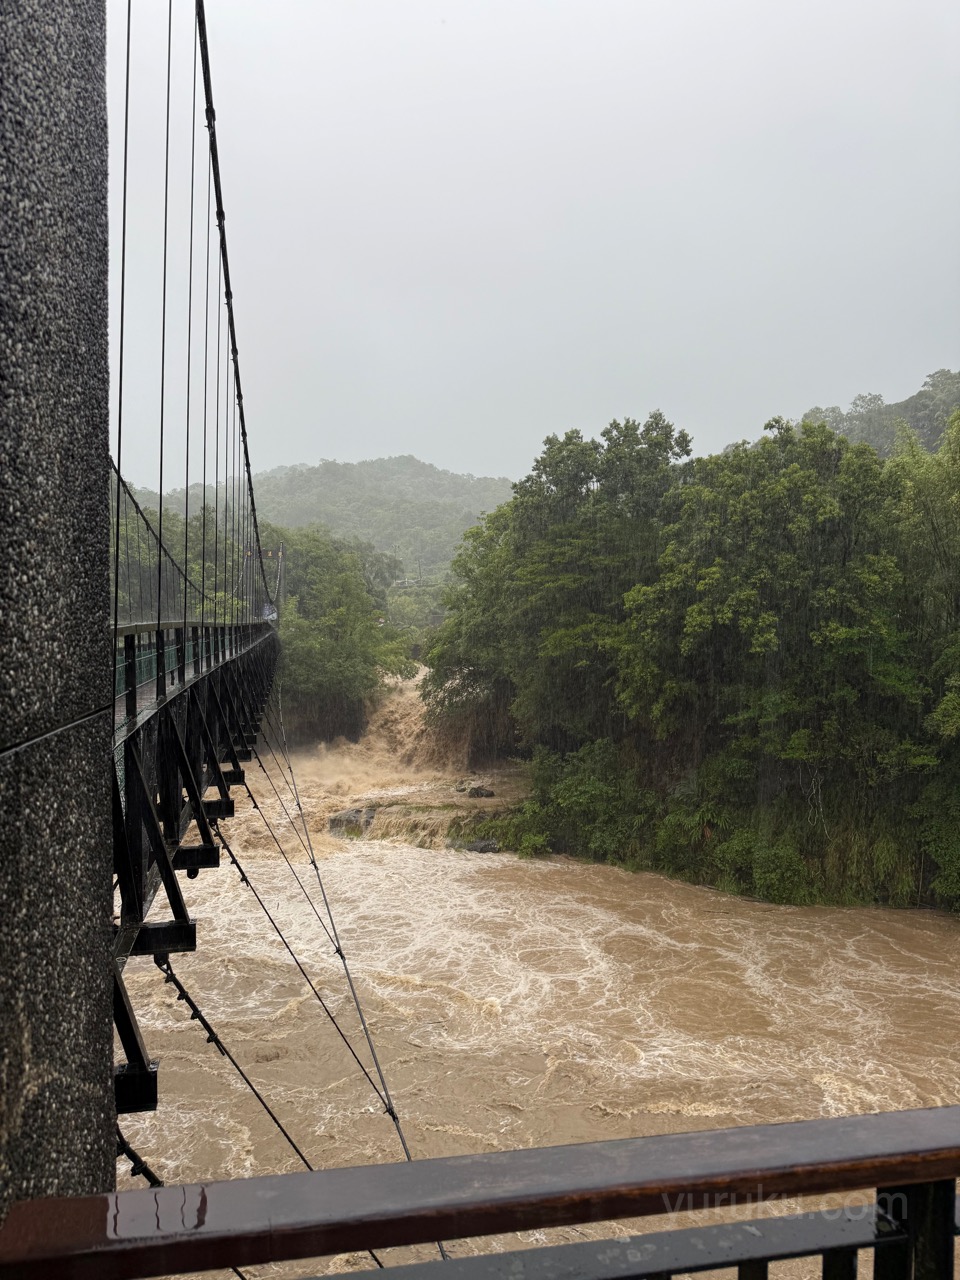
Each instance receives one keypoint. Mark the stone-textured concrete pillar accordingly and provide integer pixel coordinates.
(56, 1108)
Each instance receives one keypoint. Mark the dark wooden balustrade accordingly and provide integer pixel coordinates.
(910, 1158)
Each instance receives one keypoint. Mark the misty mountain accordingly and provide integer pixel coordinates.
(403, 506)
(869, 418)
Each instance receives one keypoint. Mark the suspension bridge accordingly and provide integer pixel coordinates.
(139, 647)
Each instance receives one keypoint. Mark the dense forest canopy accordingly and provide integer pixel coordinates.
(742, 668)
(870, 419)
(337, 645)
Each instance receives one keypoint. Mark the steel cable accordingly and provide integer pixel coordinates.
(259, 808)
(163, 309)
(206, 401)
(123, 298)
(228, 290)
(186, 453)
(196, 1014)
(216, 459)
(383, 1092)
(296, 960)
(164, 965)
(138, 1166)
(140, 1169)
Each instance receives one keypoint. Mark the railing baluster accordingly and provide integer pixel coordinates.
(894, 1261)
(130, 675)
(840, 1264)
(161, 666)
(930, 1221)
(753, 1270)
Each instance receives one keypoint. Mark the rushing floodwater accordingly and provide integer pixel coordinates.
(519, 1003)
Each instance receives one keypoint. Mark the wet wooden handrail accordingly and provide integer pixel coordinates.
(253, 1220)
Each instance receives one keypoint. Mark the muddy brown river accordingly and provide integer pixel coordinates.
(514, 1003)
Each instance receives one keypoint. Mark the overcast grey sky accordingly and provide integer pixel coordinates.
(456, 226)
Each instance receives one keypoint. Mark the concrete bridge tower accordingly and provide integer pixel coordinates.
(56, 1094)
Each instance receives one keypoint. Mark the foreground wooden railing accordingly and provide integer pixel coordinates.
(911, 1158)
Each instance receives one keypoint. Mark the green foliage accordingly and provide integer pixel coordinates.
(937, 813)
(743, 669)
(780, 873)
(871, 420)
(336, 647)
(585, 803)
(549, 571)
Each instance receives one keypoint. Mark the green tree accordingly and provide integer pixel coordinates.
(336, 647)
(742, 669)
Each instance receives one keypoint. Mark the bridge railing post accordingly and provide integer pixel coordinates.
(926, 1213)
(130, 675)
(181, 637)
(197, 656)
(161, 665)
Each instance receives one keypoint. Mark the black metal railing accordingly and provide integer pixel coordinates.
(189, 701)
(907, 1161)
(154, 661)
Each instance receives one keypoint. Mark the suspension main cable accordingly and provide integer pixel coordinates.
(206, 408)
(227, 286)
(144, 519)
(276, 840)
(189, 404)
(333, 934)
(164, 965)
(138, 1166)
(163, 313)
(244, 879)
(123, 301)
(216, 459)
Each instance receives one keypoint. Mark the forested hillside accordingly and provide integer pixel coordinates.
(870, 419)
(743, 669)
(410, 509)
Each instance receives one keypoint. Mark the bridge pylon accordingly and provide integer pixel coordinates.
(57, 1127)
